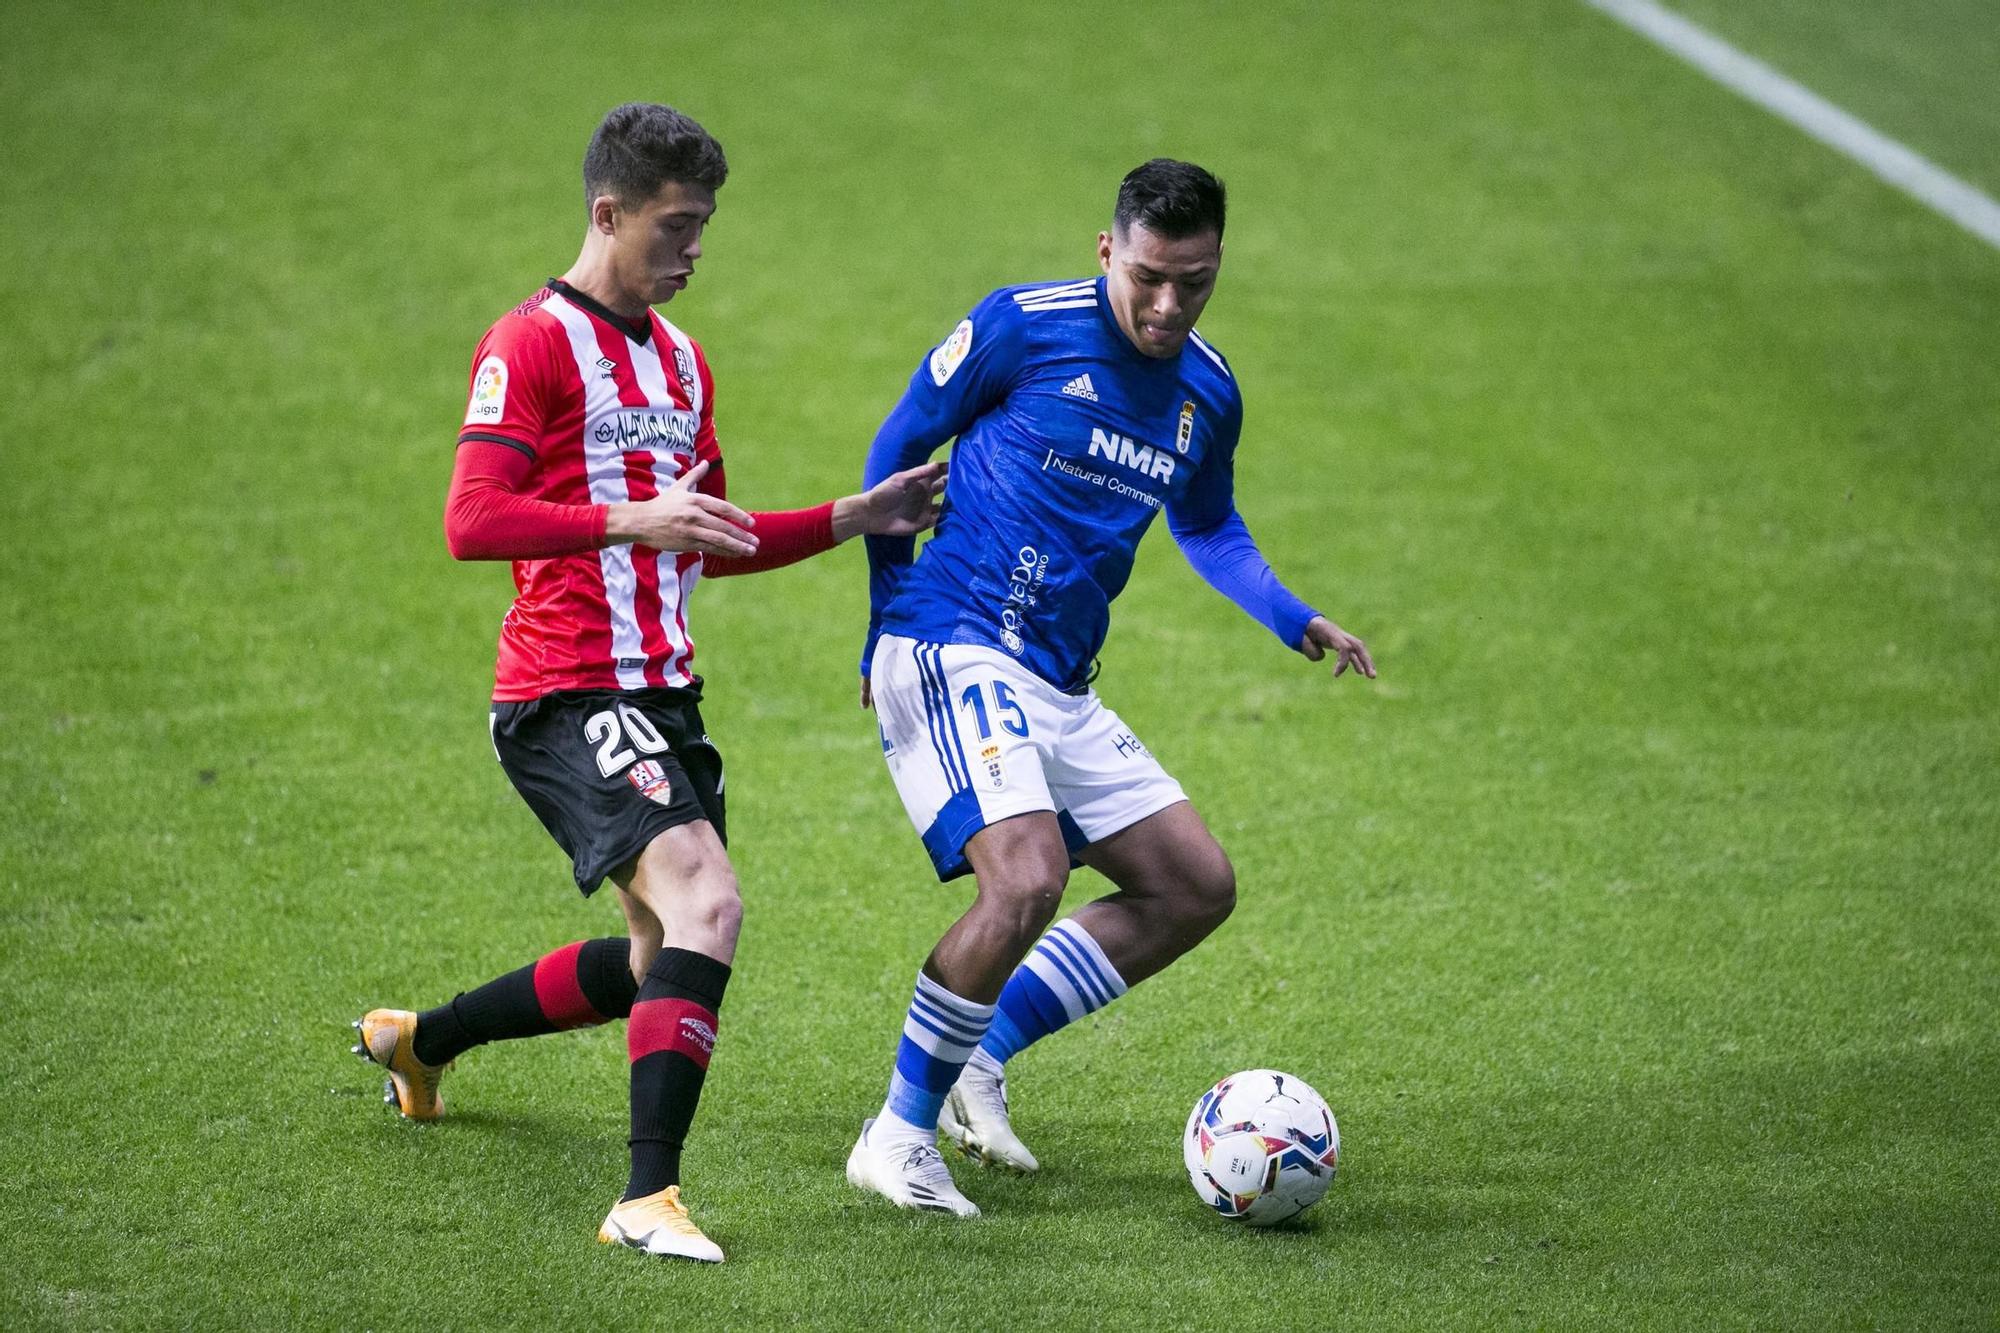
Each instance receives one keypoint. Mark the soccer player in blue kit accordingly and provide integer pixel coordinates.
(1081, 410)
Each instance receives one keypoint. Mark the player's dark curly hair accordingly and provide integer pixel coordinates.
(641, 146)
(1173, 199)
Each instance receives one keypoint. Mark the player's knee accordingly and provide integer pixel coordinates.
(1212, 894)
(718, 906)
(1026, 899)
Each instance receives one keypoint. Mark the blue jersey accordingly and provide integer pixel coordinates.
(1070, 442)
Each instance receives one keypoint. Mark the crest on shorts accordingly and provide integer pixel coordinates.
(1185, 435)
(650, 780)
(996, 772)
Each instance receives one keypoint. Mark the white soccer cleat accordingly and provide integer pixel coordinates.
(975, 1118)
(659, 1224)
(908, 1173)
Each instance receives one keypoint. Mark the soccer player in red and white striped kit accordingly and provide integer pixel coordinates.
(589, 459)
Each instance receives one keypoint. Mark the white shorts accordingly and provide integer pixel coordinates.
(973, 738)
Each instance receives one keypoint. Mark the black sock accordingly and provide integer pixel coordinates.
(669, 1040)
(579, 985)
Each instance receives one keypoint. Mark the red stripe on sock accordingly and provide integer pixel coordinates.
(670, 1025)
(559, 992)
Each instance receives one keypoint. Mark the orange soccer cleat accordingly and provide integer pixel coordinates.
(659, 1224)
(388, 1037)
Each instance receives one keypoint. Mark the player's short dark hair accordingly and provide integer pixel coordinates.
(641, 146)
(1173, 199)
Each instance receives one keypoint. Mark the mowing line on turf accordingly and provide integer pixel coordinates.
(1893, 162)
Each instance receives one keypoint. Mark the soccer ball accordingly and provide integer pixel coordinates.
(1261, 1147)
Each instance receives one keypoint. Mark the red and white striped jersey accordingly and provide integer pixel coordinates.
(605, 417)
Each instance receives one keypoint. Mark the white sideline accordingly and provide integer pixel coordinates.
(1895, 163)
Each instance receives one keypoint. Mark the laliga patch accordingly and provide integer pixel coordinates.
(996, 771)
(489, 393)
(650, 780)
(1185, 434)
(950, 353)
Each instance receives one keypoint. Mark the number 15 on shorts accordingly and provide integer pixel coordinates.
(1006, 709)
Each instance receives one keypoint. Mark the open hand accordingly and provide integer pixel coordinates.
(898, 506)
(681, 518)
(1322, 634)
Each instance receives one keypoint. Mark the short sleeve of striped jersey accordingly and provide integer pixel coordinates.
(511, 397)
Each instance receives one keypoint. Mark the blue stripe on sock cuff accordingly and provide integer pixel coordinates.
(1069, 973)
(944, 998)
(955, 1040)
(934, 997)
(951, 1032)
(1099, 994)
(1079, 975)
(940, 1032)
(1093, 953)
(950, 1008)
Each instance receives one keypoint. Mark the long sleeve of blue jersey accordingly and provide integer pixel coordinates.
(1217, 542)
(964, 376)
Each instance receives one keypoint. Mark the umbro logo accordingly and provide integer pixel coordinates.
(605, 367)
(1081, 387)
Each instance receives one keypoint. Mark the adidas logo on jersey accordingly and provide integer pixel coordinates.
(1081, 387)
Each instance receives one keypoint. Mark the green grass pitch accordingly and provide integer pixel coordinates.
(1639, 923)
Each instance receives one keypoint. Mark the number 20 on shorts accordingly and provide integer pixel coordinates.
(604, 730)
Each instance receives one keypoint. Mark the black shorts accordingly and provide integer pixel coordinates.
(608, 771)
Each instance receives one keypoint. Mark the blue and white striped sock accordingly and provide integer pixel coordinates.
(940, 1034)
(1064, 977)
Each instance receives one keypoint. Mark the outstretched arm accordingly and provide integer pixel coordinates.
(487, 518)
(1228, 559)
(1218, 544)
(905, 504)
(902, 504)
